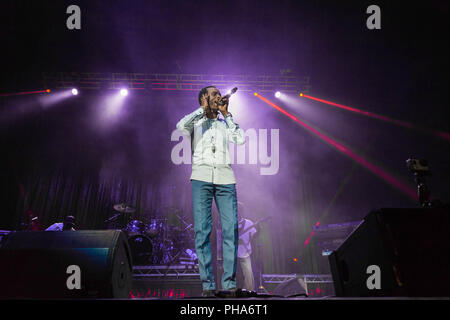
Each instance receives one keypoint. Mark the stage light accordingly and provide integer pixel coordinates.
(57, 96)
(277, 94)
(301, 94)
(256, 94)
(23, 93)
(111, 106)
(74, 91)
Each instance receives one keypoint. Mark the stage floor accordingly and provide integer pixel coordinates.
(297, 298)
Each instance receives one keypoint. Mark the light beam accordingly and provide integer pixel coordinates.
(348, 152)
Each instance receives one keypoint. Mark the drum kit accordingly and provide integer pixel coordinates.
(153, 241)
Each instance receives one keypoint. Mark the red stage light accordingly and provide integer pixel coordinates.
(22, 93)
(381, 117)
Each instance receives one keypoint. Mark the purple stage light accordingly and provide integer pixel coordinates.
(124, 92)
(56, 97)
(277, 94)
(74, 91)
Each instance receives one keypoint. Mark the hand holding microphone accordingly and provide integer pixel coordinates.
(223, 102)
(225, 98)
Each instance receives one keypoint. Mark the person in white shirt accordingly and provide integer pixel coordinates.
(246, 233)
(213, 177)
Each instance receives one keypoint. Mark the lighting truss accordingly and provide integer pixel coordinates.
(165, 271)
(307, 278)
(147, 82)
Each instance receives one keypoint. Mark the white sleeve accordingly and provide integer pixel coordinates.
(235, 133)
(55, 227)
(253, 230)
(186, 124)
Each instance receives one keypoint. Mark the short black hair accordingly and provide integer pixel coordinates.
(202, 92)
(69, 223)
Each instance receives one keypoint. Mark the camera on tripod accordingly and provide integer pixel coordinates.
(418, 166)
(420, 169)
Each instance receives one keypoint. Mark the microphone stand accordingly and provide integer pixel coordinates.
(261, 288)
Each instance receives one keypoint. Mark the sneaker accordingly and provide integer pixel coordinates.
(208, 293)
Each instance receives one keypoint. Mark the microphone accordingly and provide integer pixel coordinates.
(227, 96)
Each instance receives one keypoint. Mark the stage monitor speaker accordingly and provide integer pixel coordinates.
(292, 287)
(395, 252)
(65, 264)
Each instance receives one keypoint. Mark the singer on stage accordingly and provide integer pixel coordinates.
(213, 177)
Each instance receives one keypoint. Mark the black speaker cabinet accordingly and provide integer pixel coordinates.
(48, 264)
(410, 247)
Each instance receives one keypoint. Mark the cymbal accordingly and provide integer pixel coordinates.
(124, 208)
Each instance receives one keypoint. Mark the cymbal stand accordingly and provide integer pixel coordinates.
(261, 288)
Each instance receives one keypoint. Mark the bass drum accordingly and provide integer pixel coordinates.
(164, 252)
(135, 227)
(141, 248)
